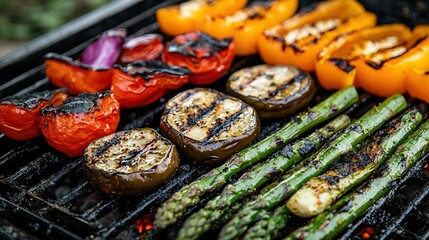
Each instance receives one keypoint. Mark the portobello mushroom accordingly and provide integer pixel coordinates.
(130, 162)
(274, 91)
(209, 126)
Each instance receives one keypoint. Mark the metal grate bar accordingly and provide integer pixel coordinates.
(398, 223)
(77, 194)
(32, 222)
(40, 166)
(101, 208)
(49, 183)
(19, 152)
(185, 176)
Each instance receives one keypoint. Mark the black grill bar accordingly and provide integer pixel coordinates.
(77, 194)
(101, 208)
(388, 214)
(36, 168)
(39, 226)
(35, 165)
(49, 183)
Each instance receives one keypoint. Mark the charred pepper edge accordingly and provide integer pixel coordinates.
(74, 63)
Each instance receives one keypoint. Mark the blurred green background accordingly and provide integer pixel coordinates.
(23, 20)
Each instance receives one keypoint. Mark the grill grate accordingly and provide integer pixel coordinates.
(44, 194)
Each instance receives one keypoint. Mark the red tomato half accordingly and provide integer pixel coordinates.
(80, 120)
(145, 47)
(141, 83)
(208, 58)
(20, 115)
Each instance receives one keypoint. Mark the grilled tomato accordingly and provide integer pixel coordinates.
(246, 25)
(20, 115)
(130, 162)
(178, 19)
(77, 77)
(145, 47)
(298, 40)
(208, 58)
(274, 91)
(209, 126)
(141, 83)
(80, 120)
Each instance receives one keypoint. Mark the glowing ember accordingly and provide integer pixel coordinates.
(145, 223)
(366, 233)
(426, 168)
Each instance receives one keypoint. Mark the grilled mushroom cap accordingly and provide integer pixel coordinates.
(209, 126)
(274, 91)
(130, 162)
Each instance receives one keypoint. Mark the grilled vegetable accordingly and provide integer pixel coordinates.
(80, 120)
(77, 77)
(417, 78)
(142, 83)
(385, 73)
(245, 26)
(208, 58)
(208, 125)
(274, 91)
(298, 40)
(251, 181)
(178, 19)
(142, 48)
(105, 51)
(350, 207)
(313, 166)
(190, 194)
(335, 63)
(269, 227)
(320, 192)
(130, 162)
(20, 115)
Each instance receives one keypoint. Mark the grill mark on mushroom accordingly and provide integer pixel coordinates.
(209, 116)
(127, 151)
(225, 125)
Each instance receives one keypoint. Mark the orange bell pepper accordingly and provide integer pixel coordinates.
(178, 19)
(297, 41)
(335, 67)
(417, 79)
(245, 26)
(385, 73)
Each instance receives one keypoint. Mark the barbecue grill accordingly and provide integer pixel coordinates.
(45, 195)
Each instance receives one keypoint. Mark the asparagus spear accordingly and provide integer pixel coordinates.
(343, 175)
(248, 183)
(331, 222)
(269, 227)
(173, 208)
(313, 166)
(320, 192)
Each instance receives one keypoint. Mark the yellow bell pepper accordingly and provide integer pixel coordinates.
(385, 73)
(417, 79)
(246, 25)
(297, 41)
(335, 67)
(182, 18)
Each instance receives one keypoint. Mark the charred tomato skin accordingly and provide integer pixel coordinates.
(135, 183)
(77, 77)
(274, 109)
(144, 82)
(142, 48)
(71, 127)
(206, 57)
(210, 152)
(20, 115)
